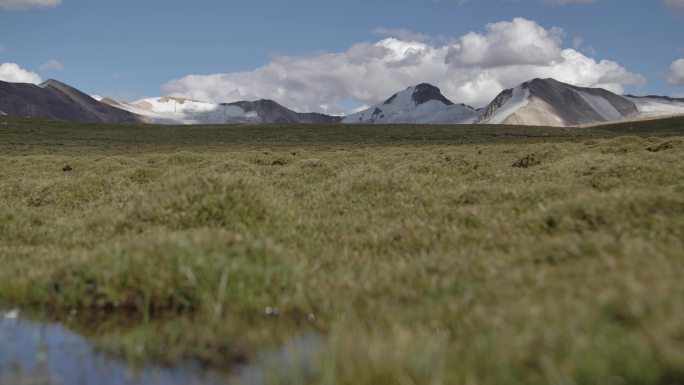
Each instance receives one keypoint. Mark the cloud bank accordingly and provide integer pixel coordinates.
(676, 75)
(11, 72)
(470, 69)
(16, 5)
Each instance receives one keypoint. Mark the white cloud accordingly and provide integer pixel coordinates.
(675, 5)
(16, 5)
(520, 41)
(676, 75)
(52, 65)
(401, 33)
(11, 72)
(471, 69)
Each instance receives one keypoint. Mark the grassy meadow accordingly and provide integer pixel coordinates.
(474, 255)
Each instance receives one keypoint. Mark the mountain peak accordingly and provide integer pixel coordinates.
(554, 103)
(412, 105)
(50, 83)
(424, 92)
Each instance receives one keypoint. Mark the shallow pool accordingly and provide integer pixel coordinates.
(35, 353)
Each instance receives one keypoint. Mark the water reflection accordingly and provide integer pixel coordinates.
(33, 353)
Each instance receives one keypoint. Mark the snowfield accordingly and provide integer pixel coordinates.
(657, 106)
(170, 110)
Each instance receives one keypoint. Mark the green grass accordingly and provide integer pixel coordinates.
(419, 254)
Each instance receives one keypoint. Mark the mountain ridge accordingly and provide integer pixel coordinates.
(553, 103)
(546, 102)
(55, 100)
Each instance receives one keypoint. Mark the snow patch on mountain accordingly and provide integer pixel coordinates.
(421, 104)
(601, 106)
(170, 110)
(546, 102)
(653, 106)
(520, 98)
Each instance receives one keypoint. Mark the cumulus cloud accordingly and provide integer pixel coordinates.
(676, 75)
(520, 41)
(52, 65)
(401, 33)
(675, 5)
(16, 5)
(11, 72)
(470, 69)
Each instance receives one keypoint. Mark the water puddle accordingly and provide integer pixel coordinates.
(33, 353)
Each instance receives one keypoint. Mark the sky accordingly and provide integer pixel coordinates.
(339, 56)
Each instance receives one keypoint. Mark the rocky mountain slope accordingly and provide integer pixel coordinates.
(421, 104)
(548, 102)
(171, 110)
(58, 101)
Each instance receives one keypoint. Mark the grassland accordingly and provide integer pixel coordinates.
(419, 254)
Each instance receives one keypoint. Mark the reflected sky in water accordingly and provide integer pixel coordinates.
(33, 353)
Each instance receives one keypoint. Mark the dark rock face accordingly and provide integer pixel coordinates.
(499, 101)
(58, 101)
(272, 112)
(423, 93)
(391, 99)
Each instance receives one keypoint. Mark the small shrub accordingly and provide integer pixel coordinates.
(527, 161)
(661, 147)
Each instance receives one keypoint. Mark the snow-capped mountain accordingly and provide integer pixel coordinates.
(548, 102)
(171, 110)
(58, 101)
(421, 104)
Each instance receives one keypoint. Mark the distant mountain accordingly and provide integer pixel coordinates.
(548, 102)
(268, 111)
(421, 104)
(538, 102)
(58, 101)
(653, 106)
(171, 110)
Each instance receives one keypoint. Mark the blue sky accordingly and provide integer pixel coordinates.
(276, 49)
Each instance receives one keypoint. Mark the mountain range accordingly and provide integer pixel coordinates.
(546, 102)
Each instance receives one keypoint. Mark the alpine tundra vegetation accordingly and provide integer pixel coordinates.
(416, 254)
